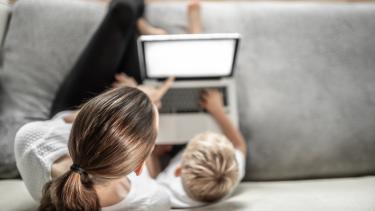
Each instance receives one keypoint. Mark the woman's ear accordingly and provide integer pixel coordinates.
(177, 172)
(139, 169)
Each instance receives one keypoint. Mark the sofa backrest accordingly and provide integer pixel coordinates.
(4, 16)
(43, 42)
(305, 77)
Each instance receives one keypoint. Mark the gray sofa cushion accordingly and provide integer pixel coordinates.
(308, 195)
(4, 14)
(305, 77)
(305, 81)
(43, 42)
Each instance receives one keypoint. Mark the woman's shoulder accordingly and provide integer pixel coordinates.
(144, 194)
(34, 155)
(28, 133)
(148, 193)
(34, 131)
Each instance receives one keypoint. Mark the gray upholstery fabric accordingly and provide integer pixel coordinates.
(344, 194)
(43, 42)
(4, 16)
(305, 78)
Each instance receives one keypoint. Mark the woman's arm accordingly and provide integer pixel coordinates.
(212, 101)
(38, 146)
(60, 166)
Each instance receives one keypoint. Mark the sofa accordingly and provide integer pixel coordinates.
(305, 83)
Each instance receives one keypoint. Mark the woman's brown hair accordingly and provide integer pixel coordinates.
(111, 136)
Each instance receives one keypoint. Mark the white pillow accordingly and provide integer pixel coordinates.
(4, 15)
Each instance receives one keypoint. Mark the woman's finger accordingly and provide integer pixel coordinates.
(165, 87)
(158, 104)
(125, 80)
(116, 85)
(120, 77)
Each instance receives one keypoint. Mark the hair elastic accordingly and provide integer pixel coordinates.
(76, 168)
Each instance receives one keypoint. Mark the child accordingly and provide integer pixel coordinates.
(211, 166)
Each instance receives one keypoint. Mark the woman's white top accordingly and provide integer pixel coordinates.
(39, 144)
(173, 184)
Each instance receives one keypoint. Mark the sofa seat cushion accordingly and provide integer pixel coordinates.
(14, 196)
(329, 194)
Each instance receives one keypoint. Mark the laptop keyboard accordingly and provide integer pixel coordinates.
(186, 100)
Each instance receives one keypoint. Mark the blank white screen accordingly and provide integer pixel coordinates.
(189, 58)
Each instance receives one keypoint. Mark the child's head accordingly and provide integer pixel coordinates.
(209, 170)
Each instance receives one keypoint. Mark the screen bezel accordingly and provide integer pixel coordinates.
(142, 40)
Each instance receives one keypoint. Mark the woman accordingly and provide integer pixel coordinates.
(89, 165)
(91, 162)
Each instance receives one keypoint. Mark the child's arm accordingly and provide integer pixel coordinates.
(212, 101)
(153, 161)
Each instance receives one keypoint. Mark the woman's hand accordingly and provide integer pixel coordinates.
(121, 79)
(212, 101)
(69, 118)
(154, 93)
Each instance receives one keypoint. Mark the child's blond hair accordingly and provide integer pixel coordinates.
(209, 170)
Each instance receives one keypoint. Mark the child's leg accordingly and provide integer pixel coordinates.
(146, 28)
(95, 68)
(194, 17)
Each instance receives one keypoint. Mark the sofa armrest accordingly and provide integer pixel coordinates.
(4, 19)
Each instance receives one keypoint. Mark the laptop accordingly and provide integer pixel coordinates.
(198, 62)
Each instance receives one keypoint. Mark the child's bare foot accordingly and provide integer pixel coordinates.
(146, 28)
(194, 17)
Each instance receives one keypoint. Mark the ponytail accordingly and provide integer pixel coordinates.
(71, 191)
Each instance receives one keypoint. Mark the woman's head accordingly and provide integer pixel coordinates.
(111, 137)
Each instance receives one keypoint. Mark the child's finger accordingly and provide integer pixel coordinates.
(203, 97)
(204, 93)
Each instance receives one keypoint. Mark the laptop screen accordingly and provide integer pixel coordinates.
(189, 56)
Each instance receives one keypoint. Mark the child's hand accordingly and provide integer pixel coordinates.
(212, 101)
